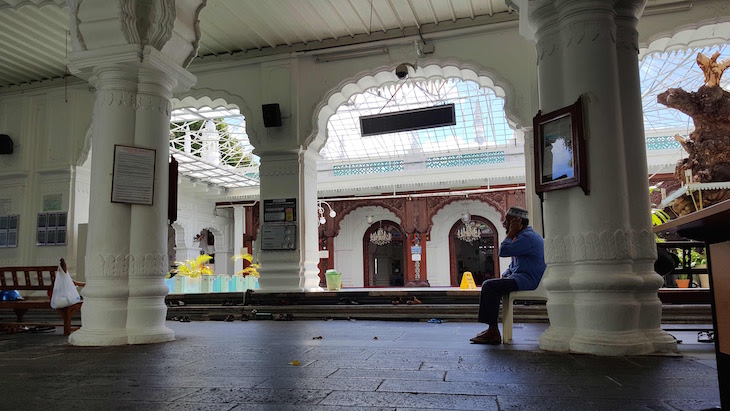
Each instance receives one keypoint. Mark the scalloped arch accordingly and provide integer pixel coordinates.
(699, 34)
(427, 70)
(206, 97)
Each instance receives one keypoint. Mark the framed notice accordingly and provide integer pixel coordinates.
(51, 229)
(560, 151)
(9, 230)
(282, 210)
(133, 176)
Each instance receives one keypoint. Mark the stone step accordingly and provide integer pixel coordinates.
(672, 314)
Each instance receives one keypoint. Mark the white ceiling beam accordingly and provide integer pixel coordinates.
(11, 74)
(395, 14)
(339, 16)
(33, 39)
(249, 25)
(22, 54)
(415, 16)
(210, 38)
(323, 20)
(41, 28)
(364, 25)
(451, 8)
(433, 12)
(471, 8)
(491, 8)
(274, 28)
(380, 20)
(223, 35)
(297, 17)
(283, 22)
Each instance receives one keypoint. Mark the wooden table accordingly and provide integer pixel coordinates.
(712, 225)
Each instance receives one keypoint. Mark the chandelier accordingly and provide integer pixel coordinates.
(381, 237)
(469, 232)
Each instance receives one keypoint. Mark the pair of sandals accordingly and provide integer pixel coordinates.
(183, 319)
(228, 302)
(706, 336)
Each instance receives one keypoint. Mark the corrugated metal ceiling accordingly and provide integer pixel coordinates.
(33, 34)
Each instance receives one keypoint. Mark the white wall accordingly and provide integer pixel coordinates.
(196, 211)
(349, 259)
(48, 127)
(437, 248)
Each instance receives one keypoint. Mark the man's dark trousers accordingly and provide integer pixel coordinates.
(492, 292)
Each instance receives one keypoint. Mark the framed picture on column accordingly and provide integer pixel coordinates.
(560, 149)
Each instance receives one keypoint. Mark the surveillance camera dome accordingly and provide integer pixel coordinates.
(401, 71)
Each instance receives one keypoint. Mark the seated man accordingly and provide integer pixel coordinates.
(525, 247)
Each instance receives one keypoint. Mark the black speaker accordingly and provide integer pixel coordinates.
(272, 115)
(6, 144)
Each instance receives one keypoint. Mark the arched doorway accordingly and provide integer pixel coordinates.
(385, 264)
(479, 256)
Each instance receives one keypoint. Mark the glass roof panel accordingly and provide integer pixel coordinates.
(662, 71)
(212, 143)
(480, 121)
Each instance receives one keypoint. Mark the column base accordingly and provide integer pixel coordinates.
(84, 338)
(636, 342)
(150, 335)
(556, 339)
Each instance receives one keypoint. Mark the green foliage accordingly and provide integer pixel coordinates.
(659, 217)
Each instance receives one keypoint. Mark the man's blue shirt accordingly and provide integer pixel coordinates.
(528, 258)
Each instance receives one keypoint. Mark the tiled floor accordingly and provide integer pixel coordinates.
(409, 366)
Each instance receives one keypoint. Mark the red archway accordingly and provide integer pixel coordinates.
(481, 257)
(384, 266)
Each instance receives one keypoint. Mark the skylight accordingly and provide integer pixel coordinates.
(481, 122)
(678, 69)
(212, 147)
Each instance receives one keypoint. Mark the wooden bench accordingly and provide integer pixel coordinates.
(32, 278)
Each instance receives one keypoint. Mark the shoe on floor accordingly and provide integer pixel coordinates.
(484, 340)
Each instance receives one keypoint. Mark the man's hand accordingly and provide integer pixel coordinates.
(515, 226)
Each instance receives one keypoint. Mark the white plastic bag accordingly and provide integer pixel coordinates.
(64, 291)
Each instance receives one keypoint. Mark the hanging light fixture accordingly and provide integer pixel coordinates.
(469, 232)
(381, 237)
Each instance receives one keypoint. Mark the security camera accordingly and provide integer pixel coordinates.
(402, 70)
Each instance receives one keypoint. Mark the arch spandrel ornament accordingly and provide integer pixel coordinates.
(343, 208)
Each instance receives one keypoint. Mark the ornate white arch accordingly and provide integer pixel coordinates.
(698, 34)
(437, 248)
(180, 240)
(427, 70)
(206, 97)
(349, 258)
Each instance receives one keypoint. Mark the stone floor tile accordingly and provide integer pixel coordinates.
(256, 396)
(520, 403)
(390, 374)
(330, 383)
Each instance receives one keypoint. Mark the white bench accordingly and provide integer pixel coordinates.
(538, 294)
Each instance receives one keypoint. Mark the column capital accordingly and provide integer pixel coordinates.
(130, 63)
(172, 27)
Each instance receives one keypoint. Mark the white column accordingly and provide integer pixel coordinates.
(104, 312)
(627, 51)
(291, 174)
(532, 200)
(148, 230)
(239, 224)
(592, 245)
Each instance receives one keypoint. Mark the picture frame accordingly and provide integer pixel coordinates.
(560, 149)
(133, 175)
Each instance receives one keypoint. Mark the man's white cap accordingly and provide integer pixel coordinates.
(518, 212)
